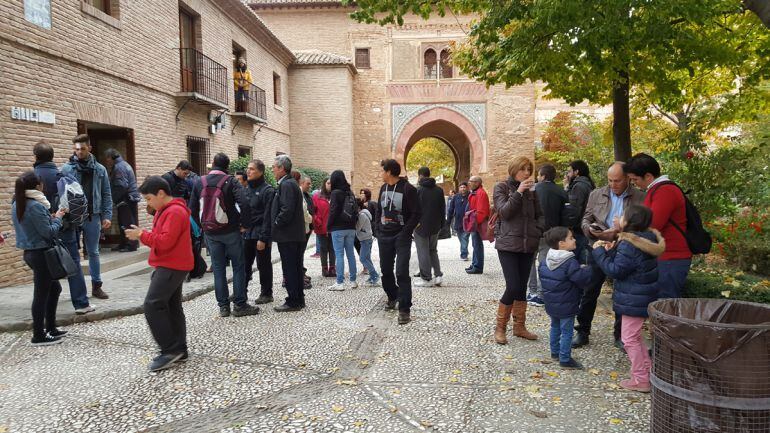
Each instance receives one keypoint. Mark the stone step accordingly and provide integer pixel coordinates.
(111, 260)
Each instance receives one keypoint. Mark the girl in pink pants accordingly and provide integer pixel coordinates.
(632, 262)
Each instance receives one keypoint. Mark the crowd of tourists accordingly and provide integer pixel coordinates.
(557, 244)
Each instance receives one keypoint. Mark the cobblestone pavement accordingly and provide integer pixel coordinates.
(341, 365)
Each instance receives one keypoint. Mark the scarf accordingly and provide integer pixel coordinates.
(38, 196)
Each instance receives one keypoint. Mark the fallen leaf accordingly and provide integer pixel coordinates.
(536, 375)
(552, 373)
(149, 414)
(532, 389)
(234, 375)
(593, 371)
(457, 372)
(556, 399)
(350, 382)
(393, 409)
(453, 379)
(3, 429)
(616, 421)
(507, 379)
(285, 418)
(539, 413)
(359, 423)
(364, 363)
(426, 423)
(509, 357)
(337, 408)
(725, 293)
(614, 375)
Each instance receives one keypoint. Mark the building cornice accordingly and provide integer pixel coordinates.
(244, 16)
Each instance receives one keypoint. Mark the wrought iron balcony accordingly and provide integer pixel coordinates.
(251, 103)
(203, 79)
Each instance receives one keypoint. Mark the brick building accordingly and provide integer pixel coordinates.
(148, 81)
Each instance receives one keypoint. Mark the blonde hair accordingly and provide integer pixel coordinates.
(520, 163)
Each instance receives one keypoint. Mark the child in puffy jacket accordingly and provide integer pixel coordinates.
(563, 280)
(634, 267)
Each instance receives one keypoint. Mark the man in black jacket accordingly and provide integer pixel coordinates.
(552, 200)
(177, 180)
(578, 184)
(288, 231)
(223, 235)
(256, 199)
(398, 214)
(433, 206)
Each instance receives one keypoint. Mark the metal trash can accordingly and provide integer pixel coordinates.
(711, 366)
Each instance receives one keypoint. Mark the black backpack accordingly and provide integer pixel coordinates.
(698, 239)
(570, 216)
(349, 209)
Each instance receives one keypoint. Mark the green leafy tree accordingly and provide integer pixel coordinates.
(599, 50)
(432, 153)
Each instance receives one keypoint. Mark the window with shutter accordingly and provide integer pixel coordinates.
(362, 58)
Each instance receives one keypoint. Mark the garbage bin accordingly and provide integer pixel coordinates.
(711, 366)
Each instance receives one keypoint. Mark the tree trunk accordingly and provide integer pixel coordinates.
(621, 119)
(761, 8)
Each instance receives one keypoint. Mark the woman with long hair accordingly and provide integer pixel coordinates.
(36, 230)
(517, 236)
(343, 215)
(320, 220)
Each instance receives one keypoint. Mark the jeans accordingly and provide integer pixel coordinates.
(534, 287)
(45, 295)
(327, 252)
(264, 265)
(343, 244)
(366, 259)
(636, 349)
(561, 337)
(427, 256)
(464, 237)
(92, 231)
(516, 267)
(478, 251)
(291, 265)
(672, 276)
(163, 310)
(128, 214)
(318, 244)
(78, 290)
(224, 247)
(588, 301)
(396, 250)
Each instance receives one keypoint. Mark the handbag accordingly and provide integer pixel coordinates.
(487, 228)
(59, 261)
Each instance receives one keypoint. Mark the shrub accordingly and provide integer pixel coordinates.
(705, 282)
(744, 240)
(241, 163)
(316, 176)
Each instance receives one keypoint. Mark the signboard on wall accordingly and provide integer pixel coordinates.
(38, 12)
(32, 115)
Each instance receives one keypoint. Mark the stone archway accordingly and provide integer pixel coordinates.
(453, 128)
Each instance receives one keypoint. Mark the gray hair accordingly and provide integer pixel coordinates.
(112, 154)
(306, 177)
(284, 161)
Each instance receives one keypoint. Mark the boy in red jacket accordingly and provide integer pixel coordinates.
(171, 256)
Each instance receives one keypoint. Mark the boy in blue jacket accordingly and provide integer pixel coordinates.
(563, 280)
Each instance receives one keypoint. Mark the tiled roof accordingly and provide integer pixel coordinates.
(318, 57)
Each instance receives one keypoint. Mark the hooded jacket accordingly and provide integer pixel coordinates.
(520, 218)
(634, 267)
(321, 215)
(433, 206)
(49, 175)
(398, 212)
(256, 199)
(101, 196)
(340, 194)
(578, 191)
(169, 241)
(563, 282)
(364, 225)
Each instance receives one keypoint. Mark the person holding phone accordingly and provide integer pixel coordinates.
(605, 207)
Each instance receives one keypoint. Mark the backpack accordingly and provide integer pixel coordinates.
(569, 216)
(349, 209)
(213, 207)
(698, 239)
(72, 198)
(200, 265)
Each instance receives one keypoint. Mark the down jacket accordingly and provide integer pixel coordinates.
(563, 282)
(520, 218)
(634, 267)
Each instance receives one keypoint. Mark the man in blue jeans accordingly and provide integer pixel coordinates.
(95, 182)
(458, 204)
(220, 190)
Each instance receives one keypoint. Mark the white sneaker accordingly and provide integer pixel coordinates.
(422, 283)
(337, 287)
(353, 285)
(438, 280)
(85, 310)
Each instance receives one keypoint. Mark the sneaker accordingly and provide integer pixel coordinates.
(535, 301)
(86, 309)
(571, 365)
(163, 362)
(474, 271)
(404, 317)
(315, 256)
(631, 385)
(185, 356)
(438, 280)
(263, 299)
(373, 283)
(555, 356)
(465, 259)
(284, 308)
(57, 332)
(353, 285)
(423, 283)
(46, 340)
(245, 310)
(579, 340)
(337, 287)
(364, 271)
(391, 305)
(224, 311)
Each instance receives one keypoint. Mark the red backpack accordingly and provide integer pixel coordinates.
(213, 207)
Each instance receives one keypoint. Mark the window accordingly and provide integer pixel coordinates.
(445, 65)
(362, 58)
(104, 10)
(198, 153)
(102, 5)
(429, 64)
(244, 151)
(276, 89)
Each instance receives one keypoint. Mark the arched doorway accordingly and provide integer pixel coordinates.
(438, 156)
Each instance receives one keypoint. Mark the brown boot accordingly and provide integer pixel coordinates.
(503, 313)
(519, 316)
(96, 290)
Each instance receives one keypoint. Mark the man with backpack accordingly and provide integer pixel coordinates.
(177, 180)
(675, 218)
(430, 198)
(213, 204)
(95, 183)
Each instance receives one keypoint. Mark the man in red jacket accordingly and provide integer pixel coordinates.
(669, 217)
(478, 201)
(171, 256)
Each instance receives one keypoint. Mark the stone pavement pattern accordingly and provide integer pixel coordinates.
(341, 365)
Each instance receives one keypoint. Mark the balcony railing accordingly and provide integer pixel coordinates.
(252, 101)
(203, 76)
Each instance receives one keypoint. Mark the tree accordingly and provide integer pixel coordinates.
(432, 153)
(596, 50)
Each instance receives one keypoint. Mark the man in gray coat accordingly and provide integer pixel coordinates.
(125, 196)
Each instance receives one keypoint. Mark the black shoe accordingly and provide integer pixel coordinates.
(57, 332)
(185, 356)
(417, 274)
(473, 271)
(263, 299)
(127, 250)
(163, 362)
(619, 344)
(224, 311)
(579, 340)
(307, 285)
(555, 356)
(391, 305)
(286, 308)
(469, 268)
(571, 365)
(46, 340)
(245, 310)
(403, 317)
